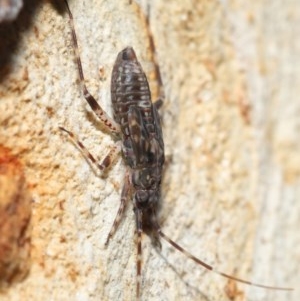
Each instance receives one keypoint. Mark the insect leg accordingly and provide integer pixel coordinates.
(108, 159)
(145, 16)
(108, 122)
(139, 226)
(124, 198)
(153, 50)
(158, 103)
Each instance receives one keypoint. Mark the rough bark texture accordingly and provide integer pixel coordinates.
(231, 129)
(15, 212)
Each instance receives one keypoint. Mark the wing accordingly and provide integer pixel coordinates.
(145, 137)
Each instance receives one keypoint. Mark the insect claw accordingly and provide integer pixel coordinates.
(107, 240)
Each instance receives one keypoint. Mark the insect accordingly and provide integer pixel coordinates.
(136, 125)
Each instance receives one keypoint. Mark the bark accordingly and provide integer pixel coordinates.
(231, 131)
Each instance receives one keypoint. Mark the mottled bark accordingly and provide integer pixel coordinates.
(231, 128)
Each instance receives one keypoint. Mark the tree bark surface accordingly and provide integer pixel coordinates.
(230, 193)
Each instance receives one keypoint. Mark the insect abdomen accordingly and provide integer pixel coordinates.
(130, 90)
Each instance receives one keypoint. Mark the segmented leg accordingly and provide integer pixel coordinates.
(108, 122)
(139, 228)
(158, 103)
(153, 50)
(108, 159)
(146, 18)
(124, 198)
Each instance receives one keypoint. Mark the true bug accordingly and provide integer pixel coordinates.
(136, 124)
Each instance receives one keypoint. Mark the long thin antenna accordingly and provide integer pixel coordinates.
(210, 268)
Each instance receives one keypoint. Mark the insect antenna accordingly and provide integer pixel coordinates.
(211, 268)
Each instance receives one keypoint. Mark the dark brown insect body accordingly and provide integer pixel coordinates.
(143, 147)
(136, 122)
(142, 141)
